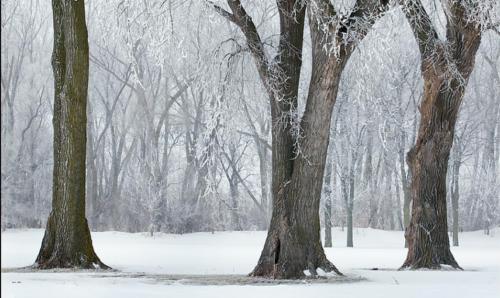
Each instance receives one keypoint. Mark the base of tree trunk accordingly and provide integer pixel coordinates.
(283, 257)
(431, 265)
(427, 232)
(428, 250)
(60, 250)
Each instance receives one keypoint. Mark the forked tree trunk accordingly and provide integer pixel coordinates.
(67, 242)
(283, 252)
(446, 69)
(293, 242)
(293, 245)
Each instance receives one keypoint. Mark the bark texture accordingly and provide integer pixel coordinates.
(67, 242)
(446, 67)
(293, 243)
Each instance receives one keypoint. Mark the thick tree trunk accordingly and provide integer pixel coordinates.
(67, 242)
(283, 252)
(427, 234)
(293, 243)
(446, 70)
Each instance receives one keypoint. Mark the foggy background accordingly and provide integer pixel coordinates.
(179, 124)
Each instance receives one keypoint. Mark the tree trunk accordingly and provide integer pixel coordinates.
(427, 234)
(404, 182)
(455, 194)
(91, 178)
(67, 242)
(348, 209)
(234, 194)
(350, 242)
(264, 192)
(445, 70)
(283, 252)
(454, 202)
(293, 242)
(328, 202)
(398, 203)
(367, 177)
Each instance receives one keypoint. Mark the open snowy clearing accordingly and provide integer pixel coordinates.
(214, 265)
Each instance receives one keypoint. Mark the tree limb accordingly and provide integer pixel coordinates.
(240, 18)
(422, 27)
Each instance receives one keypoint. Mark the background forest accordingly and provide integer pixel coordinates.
(179, 125)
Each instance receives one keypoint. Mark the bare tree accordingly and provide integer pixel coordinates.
(446, 67)
(300, 144)
(67, 241)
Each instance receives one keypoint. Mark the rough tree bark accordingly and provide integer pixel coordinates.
(293, 242)
(67, 242)
(446, 67)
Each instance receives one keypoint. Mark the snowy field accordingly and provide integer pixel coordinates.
(154, 267)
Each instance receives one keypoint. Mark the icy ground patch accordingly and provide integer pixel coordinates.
(190, 266)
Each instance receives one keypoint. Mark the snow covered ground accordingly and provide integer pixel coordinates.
(143, 263)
